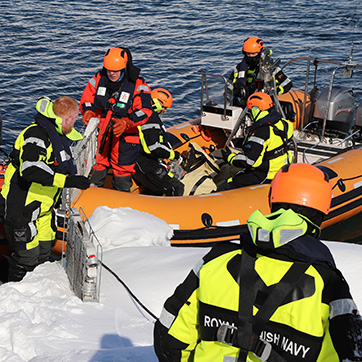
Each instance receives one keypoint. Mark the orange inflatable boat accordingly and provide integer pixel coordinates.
(219, 216)
(326, 135)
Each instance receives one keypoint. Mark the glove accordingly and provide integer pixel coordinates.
(120, 125)
(243, 92)
(178, 157)
(87, 116)
(77, 181)
(249, 89)
(227, 155)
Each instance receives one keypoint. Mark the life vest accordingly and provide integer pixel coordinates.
(243, 74)
(60, 154)
(38, 179)
(124, 97)
(96, 97)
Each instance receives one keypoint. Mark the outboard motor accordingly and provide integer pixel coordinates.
(358, 124)
(359, 116)
(1, 130)
(341, 109)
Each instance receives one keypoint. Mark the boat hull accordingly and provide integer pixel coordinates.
(220, 216)
(203, 220)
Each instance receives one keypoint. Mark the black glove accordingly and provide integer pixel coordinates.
(177, 157)
(77, 181)
(251, 88)
(244, 92)
(226, 152)
(247, 90)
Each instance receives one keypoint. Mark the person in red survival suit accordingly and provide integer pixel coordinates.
(121, 99)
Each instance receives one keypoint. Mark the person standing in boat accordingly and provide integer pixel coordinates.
(276, 296)
(121, 99)
(41, 166)
(244, 79)
(151, 168)
(265, 146)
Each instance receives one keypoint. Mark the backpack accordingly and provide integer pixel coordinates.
(200, 169)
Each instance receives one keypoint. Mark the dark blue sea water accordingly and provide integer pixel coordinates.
(53, 48)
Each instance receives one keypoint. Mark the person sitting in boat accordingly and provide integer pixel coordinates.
(265, 146)
(151, 168)
(121, 99)
(276, 296)
(244, 79)
(41, 166)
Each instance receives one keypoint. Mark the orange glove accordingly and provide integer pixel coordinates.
(120, 125)
(87, 116)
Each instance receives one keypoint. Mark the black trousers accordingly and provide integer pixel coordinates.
(154, 175)
(247, 178)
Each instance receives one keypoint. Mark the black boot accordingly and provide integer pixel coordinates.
(17, 271)
(123, 183)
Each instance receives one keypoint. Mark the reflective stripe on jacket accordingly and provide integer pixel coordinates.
(243, 75)
(34, 168)
(153, 138)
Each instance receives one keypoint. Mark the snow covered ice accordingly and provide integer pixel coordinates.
(42, 320)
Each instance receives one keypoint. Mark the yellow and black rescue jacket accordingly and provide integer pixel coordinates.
(153, 139)
(40, 161)
(266, 145)
(316, 321)
(244, 77)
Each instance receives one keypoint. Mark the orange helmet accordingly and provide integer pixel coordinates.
(115, 59)
(161, 98)
(302, 184)
(261, 100)
(253, 45)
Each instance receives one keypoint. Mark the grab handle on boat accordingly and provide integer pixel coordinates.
(206, 219)
(205, 134)
(236, 127)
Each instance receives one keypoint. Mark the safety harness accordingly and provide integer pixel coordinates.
(249, 327)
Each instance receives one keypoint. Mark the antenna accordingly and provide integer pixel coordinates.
(354, 20)
(350, 53)
(348, 72)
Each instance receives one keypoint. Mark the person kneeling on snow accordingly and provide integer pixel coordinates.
(276, 296)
